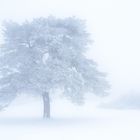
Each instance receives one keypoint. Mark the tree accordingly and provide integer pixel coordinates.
(47, 54)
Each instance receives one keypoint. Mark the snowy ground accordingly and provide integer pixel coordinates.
(23, 121)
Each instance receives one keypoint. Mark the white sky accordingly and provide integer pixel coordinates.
(114, 24)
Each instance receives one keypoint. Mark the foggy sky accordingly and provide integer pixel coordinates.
(114, 25)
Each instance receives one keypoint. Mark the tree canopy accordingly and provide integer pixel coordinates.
(46, 54)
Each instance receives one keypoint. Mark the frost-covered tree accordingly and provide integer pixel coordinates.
(47, 54)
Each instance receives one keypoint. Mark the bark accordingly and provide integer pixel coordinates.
(46, 105)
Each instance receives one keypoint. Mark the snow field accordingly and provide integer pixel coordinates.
(69, 122)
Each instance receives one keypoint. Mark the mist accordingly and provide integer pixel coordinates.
(114, 26)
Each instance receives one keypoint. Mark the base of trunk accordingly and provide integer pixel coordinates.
(46, 104)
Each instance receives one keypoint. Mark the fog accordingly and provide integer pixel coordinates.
(114, 27)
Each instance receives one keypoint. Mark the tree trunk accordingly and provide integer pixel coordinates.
(46, 105)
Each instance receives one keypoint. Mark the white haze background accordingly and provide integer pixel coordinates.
(115, 28)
